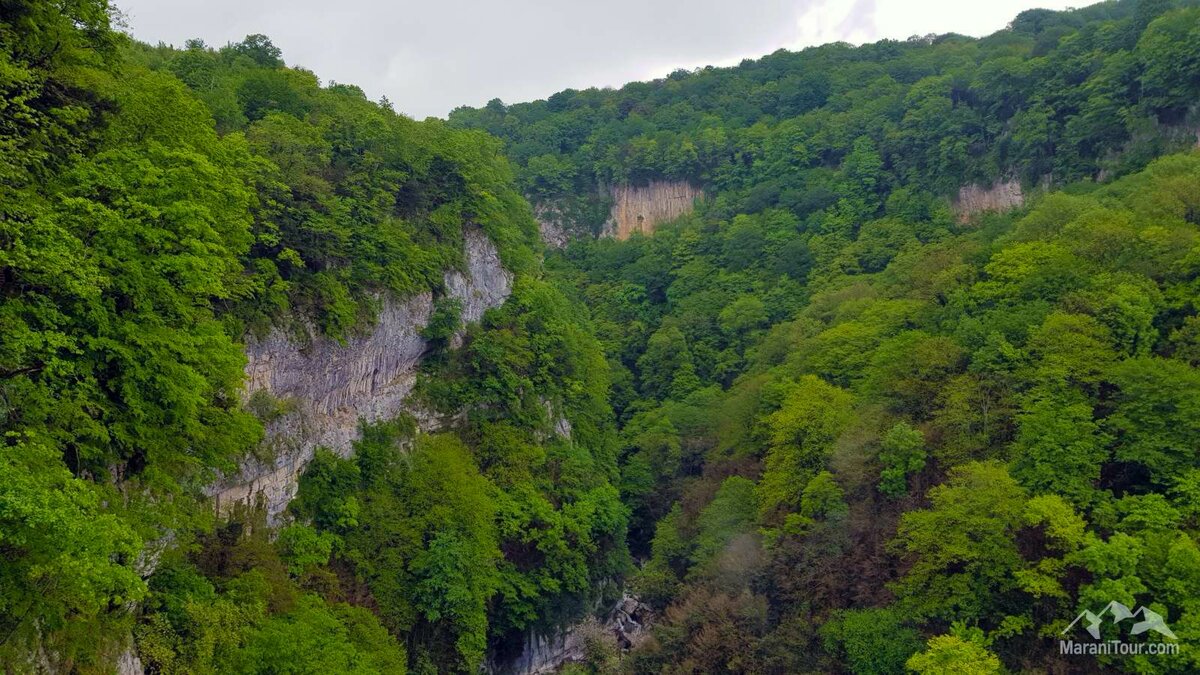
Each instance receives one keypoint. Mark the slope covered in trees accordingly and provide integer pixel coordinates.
(823, 424)
(861, 433)
(157, 206)
(987, 436)
(1058, 96)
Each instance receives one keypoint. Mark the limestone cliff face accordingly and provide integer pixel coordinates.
(639, 209)
(485, 284)
(974, 199)
(550, 226)
(327, 387)
(634, 209)
(624, 627)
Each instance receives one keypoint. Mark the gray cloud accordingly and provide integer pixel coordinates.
(428, 57)
(860, 20)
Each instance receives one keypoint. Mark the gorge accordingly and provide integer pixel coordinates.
(852, 359)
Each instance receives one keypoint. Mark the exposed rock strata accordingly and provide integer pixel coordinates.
(627, 624)
(326, 387)
(128, 662)
(550, 225)
(640, 209)
(974, 199)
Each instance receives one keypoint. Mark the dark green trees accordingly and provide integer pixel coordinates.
(967, 443)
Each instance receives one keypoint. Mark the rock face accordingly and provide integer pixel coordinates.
(128, 662)
(325, 388)
(626, 625)
(1001, 196)
(639, 209)
(549, 221)
(485, 284)
(634, 209)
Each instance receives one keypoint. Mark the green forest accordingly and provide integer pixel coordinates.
(827, 422)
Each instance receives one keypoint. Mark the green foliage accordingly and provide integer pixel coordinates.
(962, 548)
(826, 132)
(730, 514)
(158, 204)
(659, 580)
(822, 497)
(1170, 60)
(825, 326)
(303, 547)
(232, 607)
(1156, 414)
(871, 640)
(1059, 448)
(756, 399)
(425, 543)
(444, 322)
(67, 556)
(315, 638)
(948, 654)
(902, 453)
(352, 199)
(810, 417)
(326, 492)
(666, 365)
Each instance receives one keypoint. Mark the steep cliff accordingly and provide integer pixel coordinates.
(974, 199)
(630, 208)
(325, 388)
(624, 626)
(550, 226)
(640, 208)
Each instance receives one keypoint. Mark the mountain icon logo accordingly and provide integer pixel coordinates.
(1150, 620)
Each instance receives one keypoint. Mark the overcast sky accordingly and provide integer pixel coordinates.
(429, 57)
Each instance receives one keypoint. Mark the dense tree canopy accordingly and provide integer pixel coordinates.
(990, 431)
(840, 400)
(824, 423)
(160, 204)
(1057, 96)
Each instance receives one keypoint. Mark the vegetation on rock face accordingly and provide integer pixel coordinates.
(858, 132)
(997, 429)
(157, 205)
(860, 432)
(838, 427)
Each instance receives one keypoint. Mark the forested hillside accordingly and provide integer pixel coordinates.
(992, 433)
(836, 130)
(159, 206)
(861, 431)
(827, 422)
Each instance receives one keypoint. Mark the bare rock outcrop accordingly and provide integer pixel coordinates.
(1001, 196)
(625, 626)
(484, 284)
(323, 388)
(640, 208)
(550, 225)
(128, 662)
(634, 208)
